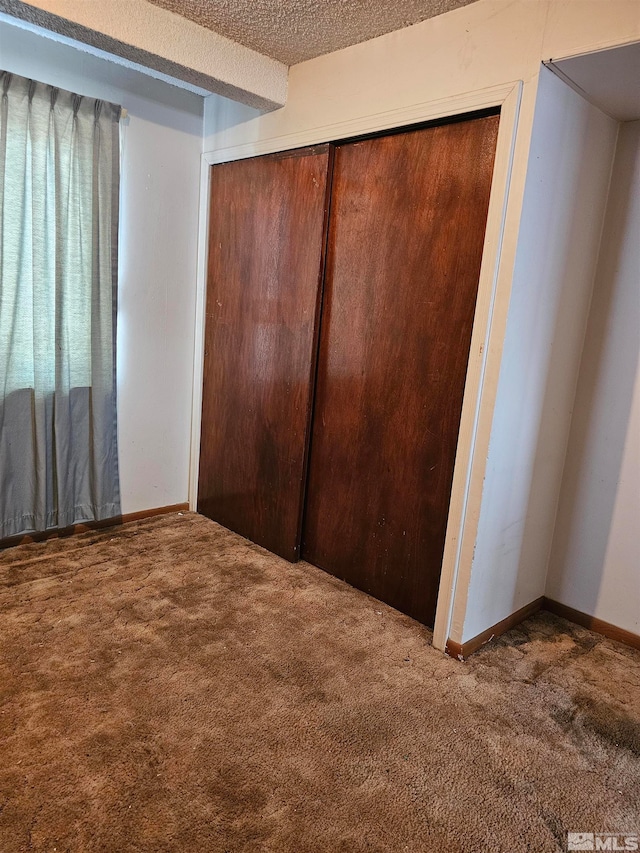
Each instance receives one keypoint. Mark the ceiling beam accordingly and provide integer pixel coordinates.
(147, 36)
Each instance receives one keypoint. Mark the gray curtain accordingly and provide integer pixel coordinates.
(59, 179)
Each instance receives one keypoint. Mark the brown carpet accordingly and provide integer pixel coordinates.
(167, 686)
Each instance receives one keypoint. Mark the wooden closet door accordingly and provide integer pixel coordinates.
(266, 247)
(406, 233)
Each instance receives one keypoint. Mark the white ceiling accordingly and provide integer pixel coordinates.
(294, 30)
(609, 79)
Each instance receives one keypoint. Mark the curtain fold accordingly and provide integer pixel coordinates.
(59, 187)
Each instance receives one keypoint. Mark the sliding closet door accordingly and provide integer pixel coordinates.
(406, 233)
(266, 247)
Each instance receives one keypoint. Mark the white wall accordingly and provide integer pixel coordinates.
(595, 561)
(570, 160)
(162, 143)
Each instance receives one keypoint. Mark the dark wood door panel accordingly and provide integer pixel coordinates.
(266, 247)
(406, 233)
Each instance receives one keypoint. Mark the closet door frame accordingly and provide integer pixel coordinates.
(488, 328)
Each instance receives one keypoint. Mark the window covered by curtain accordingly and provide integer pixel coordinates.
(59, 177)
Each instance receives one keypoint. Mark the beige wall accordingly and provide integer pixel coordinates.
(486, 44)
(497, 561)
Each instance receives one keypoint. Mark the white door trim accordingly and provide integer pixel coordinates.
(495, 280)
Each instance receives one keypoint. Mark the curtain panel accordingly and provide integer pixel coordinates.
(59, 187)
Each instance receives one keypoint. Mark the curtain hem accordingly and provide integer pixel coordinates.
(31, 523)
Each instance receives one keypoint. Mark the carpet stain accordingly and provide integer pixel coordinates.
(167, 686)
(614, 727)
(556, 828)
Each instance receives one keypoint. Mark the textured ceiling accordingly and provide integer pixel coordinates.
(294, 30)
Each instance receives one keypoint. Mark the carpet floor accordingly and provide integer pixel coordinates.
(168, 686)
